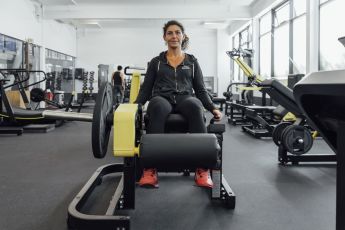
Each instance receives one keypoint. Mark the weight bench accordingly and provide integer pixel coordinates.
(321, 97)
(147, 150)
(16, 114)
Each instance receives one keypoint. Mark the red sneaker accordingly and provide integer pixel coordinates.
(203, 178)
(149, 178)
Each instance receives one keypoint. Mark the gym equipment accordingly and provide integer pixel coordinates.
(277, 132)
(37, 95)
(297, 141)
(144, 150)
(101, 126)
(79, 73)
(128, 96)
(257, 121)
(87, 90)
(23, 115)
(103, 73)
(293, 141)
(91, 80)
(321, 98)
(22, 76)
(235, 115)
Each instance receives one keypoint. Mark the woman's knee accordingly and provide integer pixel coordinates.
(159, 105)
(192, 105)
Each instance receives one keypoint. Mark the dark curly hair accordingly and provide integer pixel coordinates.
(185, 41)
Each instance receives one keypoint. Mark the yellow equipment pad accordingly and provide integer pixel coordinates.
(250, 88)
(124, 130)
(289, 117)
(135, 86)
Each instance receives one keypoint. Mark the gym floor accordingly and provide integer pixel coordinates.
(41, 174)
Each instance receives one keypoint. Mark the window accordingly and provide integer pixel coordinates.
(265, 45)
(265, 23)
(265, 56)
(236, 68)
(299, 7)
(281, 41)
(281, 14)
(242, 40)
(61, 67)
(11, 52)
(332, 52)
(299, 37)
(299, 58)
(281, 51)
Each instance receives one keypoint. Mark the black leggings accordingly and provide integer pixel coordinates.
(189, 107)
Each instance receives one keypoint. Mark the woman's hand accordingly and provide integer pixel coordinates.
(217, 114)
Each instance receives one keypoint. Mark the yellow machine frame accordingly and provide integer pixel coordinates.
(124, 123)
(250, 74)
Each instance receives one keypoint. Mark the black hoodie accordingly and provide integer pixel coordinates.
(161, 79)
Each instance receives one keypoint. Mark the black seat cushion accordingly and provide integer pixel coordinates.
(175, 123)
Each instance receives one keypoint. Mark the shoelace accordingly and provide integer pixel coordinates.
(149, 172)
(202, 173)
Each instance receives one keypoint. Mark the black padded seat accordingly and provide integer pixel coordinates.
(20, 113)
(175, 123)
(282, 95)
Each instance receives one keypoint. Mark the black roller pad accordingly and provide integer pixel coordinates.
(179, 151)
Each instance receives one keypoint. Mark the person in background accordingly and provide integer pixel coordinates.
(118, 82)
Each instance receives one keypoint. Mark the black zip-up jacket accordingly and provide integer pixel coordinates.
(161, 79)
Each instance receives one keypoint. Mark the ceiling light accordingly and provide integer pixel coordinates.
(92, 24)
(216, 24)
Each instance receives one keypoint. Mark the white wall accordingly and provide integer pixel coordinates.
(22, 19)
(137, 46)
(18, 19)
(60, 37)
(223, 61)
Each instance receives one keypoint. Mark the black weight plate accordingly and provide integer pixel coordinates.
(277, 132)
(37, 95)
(291, 136)
(100, 127)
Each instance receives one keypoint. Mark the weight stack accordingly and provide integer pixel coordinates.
(91, 80)
(175, 152)
(85, 80)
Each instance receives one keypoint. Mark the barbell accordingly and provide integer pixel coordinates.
(102, 119)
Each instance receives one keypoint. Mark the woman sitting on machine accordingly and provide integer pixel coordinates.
(170, 82)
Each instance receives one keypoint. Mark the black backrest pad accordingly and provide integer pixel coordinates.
(282, 95)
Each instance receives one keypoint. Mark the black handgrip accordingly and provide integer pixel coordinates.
(5, 72)
(133, 68)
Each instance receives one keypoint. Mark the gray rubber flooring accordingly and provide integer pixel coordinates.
(41, 173)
